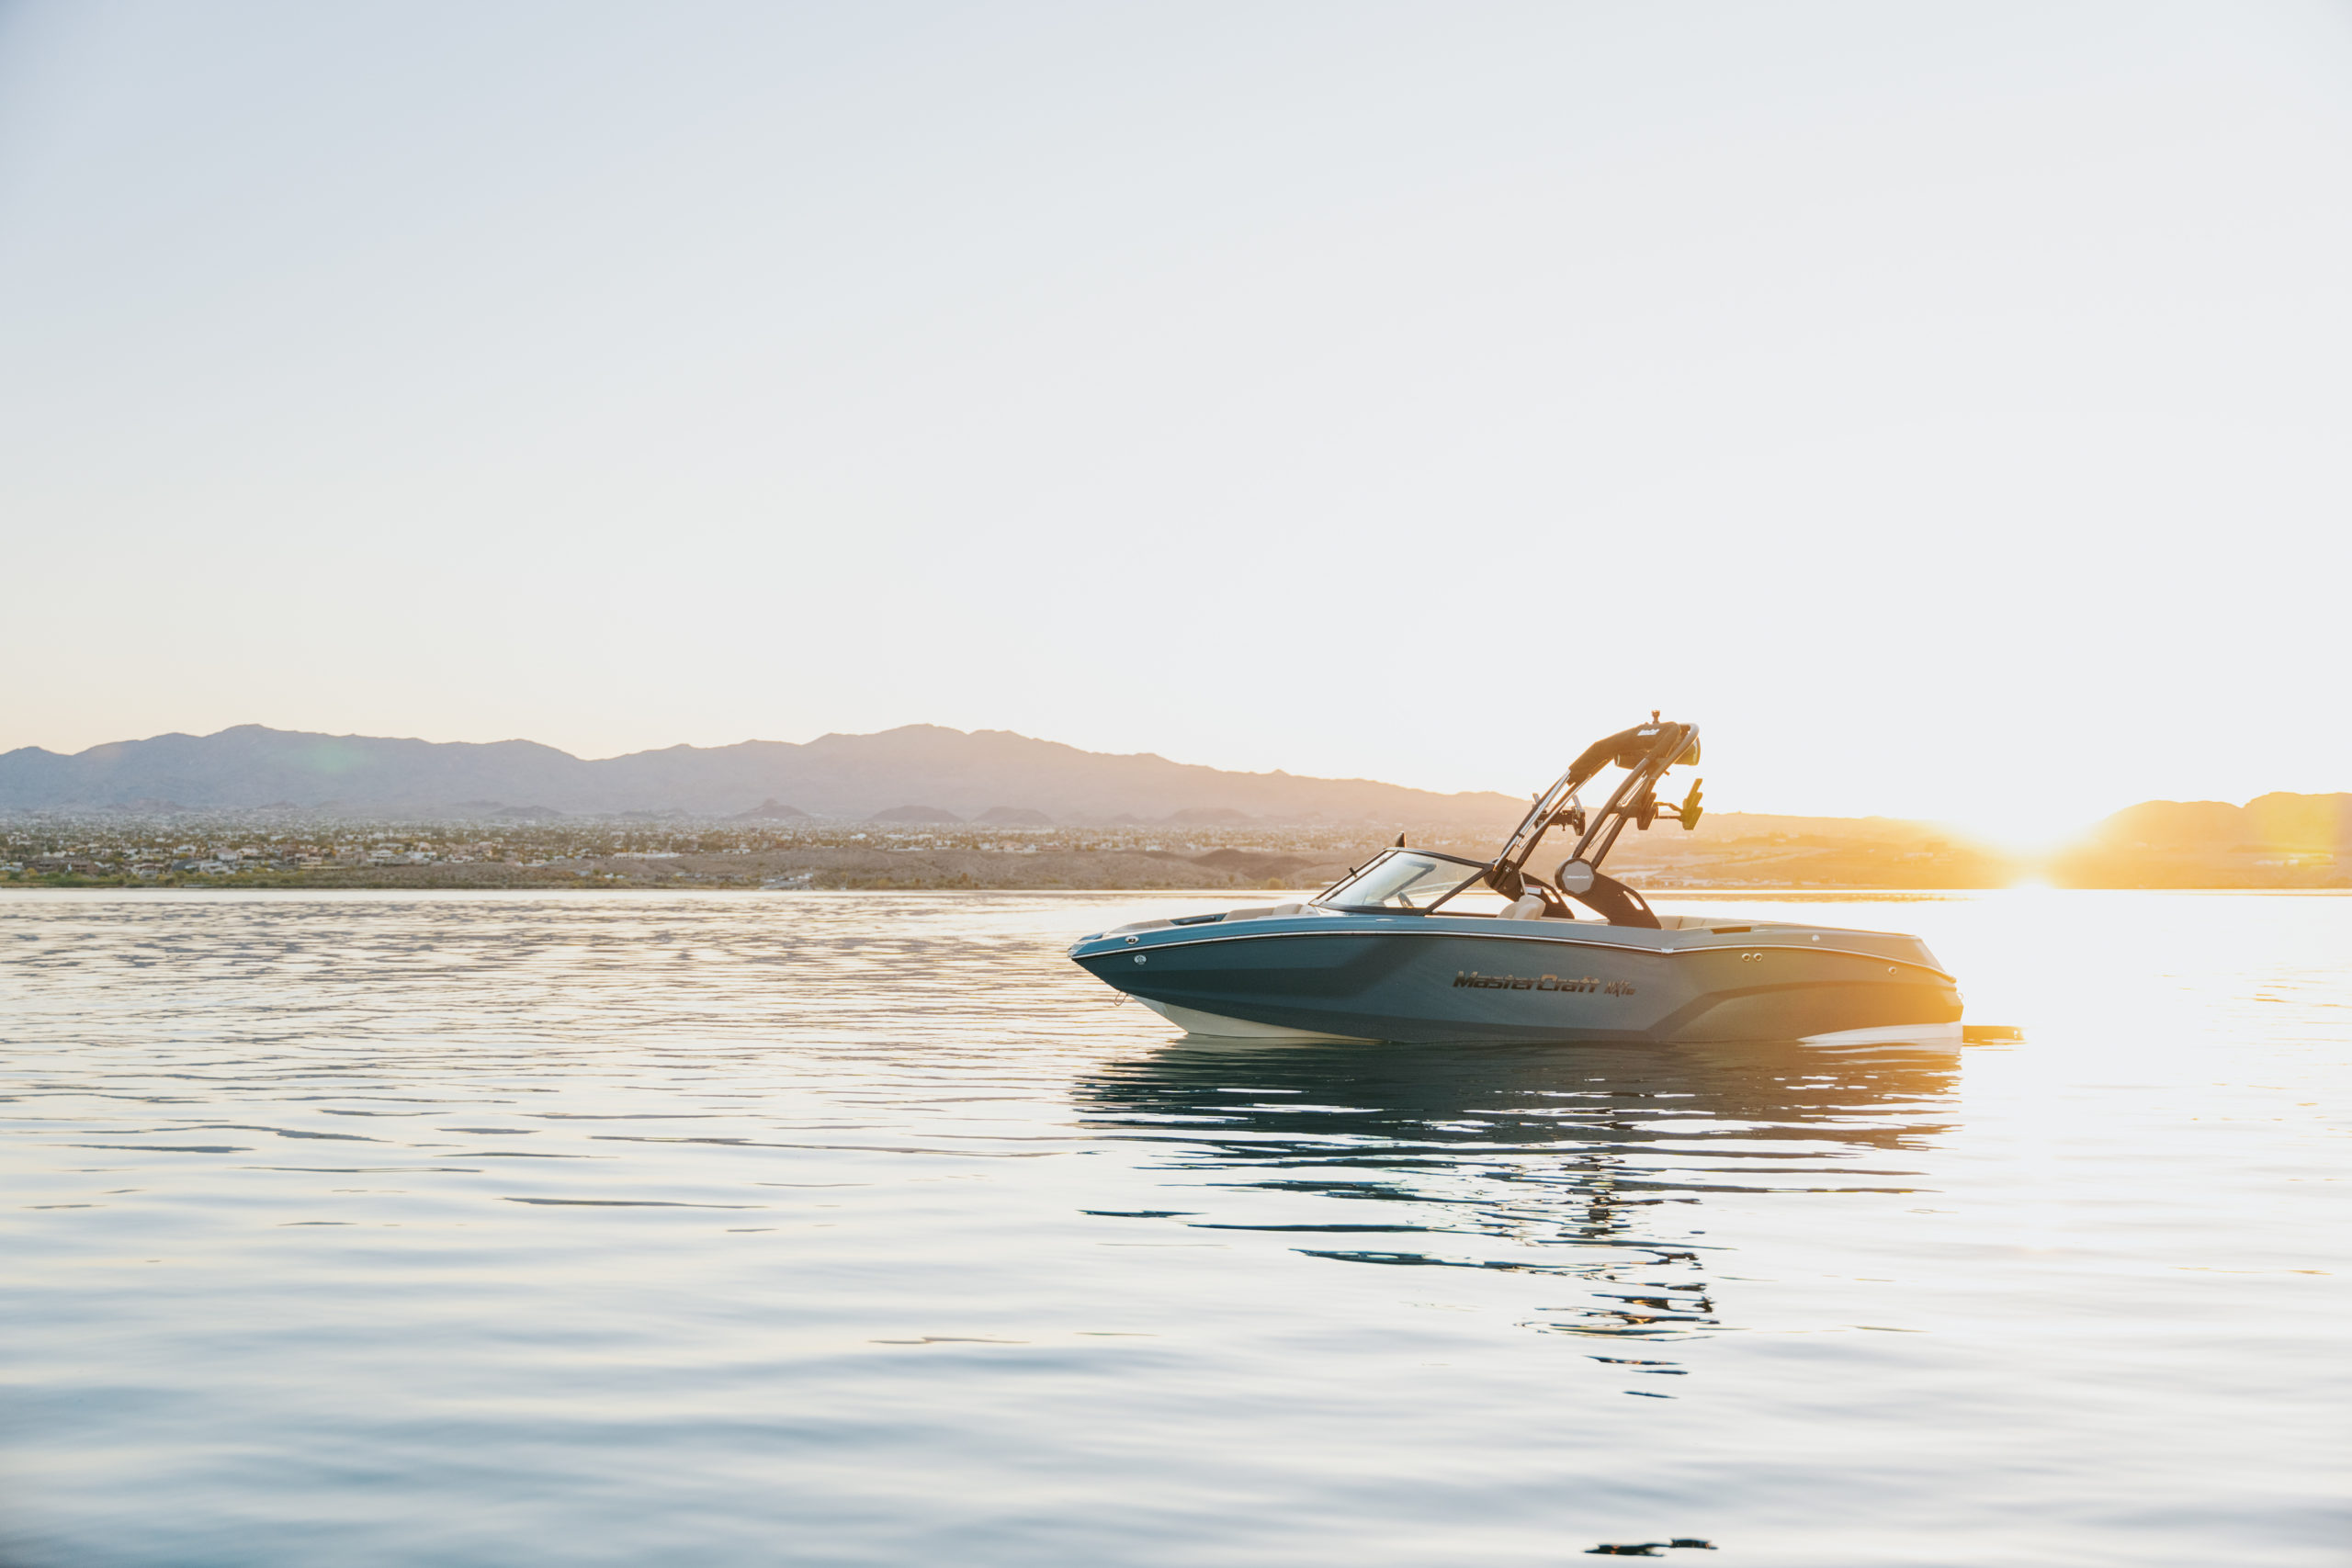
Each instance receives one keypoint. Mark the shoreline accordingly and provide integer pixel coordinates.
(1243, 895)
(1241, 865)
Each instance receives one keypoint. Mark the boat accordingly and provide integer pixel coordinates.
(1419, 945)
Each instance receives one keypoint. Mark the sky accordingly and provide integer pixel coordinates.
(1945, 406)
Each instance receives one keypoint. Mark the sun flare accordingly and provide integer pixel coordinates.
(2019, 837)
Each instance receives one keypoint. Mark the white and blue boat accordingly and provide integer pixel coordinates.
(1419, 945)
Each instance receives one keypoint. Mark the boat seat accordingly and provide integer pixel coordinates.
(1526, 906)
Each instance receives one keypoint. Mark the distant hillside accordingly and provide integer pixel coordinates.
(2273, 840)
(985, 772)
(923, 775)
(2306, 823)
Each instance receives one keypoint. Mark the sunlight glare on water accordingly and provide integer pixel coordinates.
(479, 1229)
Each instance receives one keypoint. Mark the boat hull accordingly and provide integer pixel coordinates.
(1435, 978)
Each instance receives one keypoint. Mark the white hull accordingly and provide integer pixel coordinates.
(1893, 1035)
(1216, 1028)
(1211, 1026)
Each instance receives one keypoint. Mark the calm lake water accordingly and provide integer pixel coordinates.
(811, 1228)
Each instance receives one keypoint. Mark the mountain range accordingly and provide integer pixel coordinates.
(916, 772)
(2273, 840)
(2292, 824)
(924, 774)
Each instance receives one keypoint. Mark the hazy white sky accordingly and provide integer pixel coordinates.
(1946, 406)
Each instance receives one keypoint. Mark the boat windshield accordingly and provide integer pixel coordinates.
(1401, 879)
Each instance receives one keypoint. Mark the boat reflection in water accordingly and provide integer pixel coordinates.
(1592, 1163)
